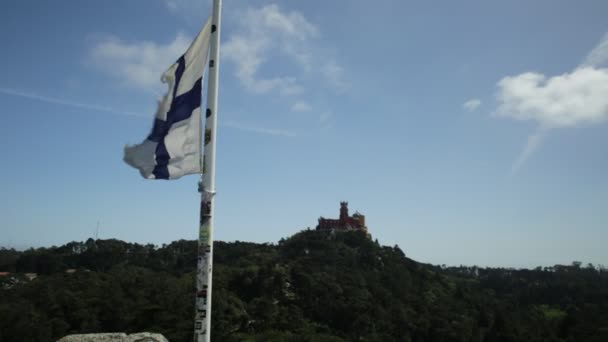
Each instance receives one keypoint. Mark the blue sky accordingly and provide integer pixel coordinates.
(469, 132)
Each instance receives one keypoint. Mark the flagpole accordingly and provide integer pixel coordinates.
(202, 319)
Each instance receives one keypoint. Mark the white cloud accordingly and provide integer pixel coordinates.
(598, 57)
(291, 25)
(571, 99)
(334, 74)
(138, 64)
(326, 119)
(262, 30)
(189, 7)
(172, 4)
(472, 105)
(266, 31)
(301, 107)
(249, 54)
(559, 101)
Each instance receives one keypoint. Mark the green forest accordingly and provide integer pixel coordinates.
(312, 286)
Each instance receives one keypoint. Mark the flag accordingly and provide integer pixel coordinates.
(173, 148)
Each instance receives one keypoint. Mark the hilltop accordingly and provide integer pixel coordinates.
(313, 286)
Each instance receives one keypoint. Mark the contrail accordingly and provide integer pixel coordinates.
(54, 100)
(258, 129)
(531, 146)
(69, 103)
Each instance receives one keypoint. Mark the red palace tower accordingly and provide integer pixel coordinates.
(345, 222)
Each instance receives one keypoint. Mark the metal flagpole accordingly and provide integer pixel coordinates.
(202, 319)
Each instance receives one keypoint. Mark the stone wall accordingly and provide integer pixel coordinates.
(115, 337)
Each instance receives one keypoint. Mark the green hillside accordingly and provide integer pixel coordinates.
(313, 286)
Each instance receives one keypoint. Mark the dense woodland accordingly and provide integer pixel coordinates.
(313, 286)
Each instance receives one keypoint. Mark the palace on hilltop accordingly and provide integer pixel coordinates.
(345, 222)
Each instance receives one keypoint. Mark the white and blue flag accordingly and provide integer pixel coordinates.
(173, 148)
